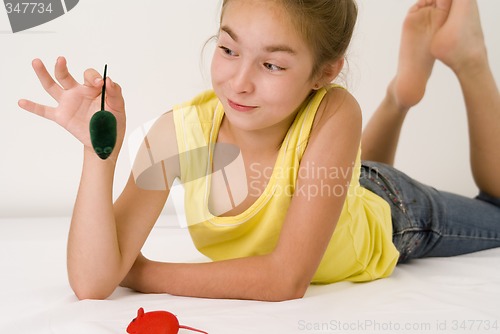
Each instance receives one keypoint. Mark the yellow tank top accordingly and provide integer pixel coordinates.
(361, 247)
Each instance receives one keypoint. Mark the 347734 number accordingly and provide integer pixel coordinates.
(475, 325)
(28, 8)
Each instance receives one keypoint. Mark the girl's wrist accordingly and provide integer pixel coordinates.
(89, 156)
(139, 276)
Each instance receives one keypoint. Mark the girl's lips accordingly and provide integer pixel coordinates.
(240, 107)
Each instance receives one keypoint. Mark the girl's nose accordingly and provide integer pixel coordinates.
(242, 81)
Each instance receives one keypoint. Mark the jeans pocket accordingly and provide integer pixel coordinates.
(406, 236)
(389, 191)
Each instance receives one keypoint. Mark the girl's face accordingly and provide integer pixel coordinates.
(261, 67)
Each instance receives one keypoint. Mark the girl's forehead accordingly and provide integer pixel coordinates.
(256, 10)
(264, 26)
(269, 3)
(266, 18)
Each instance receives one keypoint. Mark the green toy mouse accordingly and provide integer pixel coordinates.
(102, 127)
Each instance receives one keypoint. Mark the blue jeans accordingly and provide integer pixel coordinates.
(427, 222)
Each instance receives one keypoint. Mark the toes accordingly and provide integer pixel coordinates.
(444, 5)
(422, 4)
(427, 3)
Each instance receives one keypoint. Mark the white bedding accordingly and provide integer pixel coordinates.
(438, 295)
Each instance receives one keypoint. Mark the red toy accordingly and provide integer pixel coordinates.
(156, 322)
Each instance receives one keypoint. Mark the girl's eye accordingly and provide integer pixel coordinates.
(273, 68)
(227, 51)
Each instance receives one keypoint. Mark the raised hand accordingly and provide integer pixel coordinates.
(76, 102)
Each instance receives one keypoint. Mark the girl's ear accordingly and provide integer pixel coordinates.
(329, 72)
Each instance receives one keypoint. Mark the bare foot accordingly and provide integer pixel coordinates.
(423, 20)
(460, 41)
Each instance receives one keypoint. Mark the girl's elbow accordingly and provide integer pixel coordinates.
(291, 288)
(298, 290)
(289, 294)
(93, 295)
(287, 282)
(85, 291)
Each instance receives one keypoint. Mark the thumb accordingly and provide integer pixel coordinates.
(92, 78)
(114, 97)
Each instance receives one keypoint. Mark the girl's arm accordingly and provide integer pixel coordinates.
(310, 222)
(104, 239)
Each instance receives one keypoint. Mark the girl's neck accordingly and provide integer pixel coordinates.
(261, 142)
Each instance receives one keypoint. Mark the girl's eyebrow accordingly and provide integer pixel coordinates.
(270, 48)
(230, 32)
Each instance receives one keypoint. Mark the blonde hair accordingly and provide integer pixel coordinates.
(325, 25)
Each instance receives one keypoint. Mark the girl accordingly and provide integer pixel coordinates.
(307, 211)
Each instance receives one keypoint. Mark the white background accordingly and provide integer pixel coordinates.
(154, 49)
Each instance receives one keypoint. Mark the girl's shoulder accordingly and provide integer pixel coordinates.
(337, 104)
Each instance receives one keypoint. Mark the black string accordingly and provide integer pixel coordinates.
(104, 87)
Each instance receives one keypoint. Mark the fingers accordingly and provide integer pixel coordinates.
(114, 97)
(37, 109)
(62, 74)
(92, 78)
(65, 81)
(46, 80)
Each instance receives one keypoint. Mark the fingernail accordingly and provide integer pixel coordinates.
(97, 81)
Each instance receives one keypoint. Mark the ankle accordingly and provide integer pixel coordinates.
(475, 65)
(392, 100)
